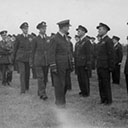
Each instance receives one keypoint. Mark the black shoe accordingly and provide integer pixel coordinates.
(43, 97)
(107, 103)
(22, 93)
(80, 93)
(8, 83)
(85, 95)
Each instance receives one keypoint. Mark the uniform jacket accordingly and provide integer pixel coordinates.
(105, 53)
(5, 53)
(126, 63)
(83, 53)
(40, 50)
(60, 53)
(22, 48)
(118, 53)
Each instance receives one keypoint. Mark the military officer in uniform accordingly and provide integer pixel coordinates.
(83, 61)
(118, 54)
(126, 68)
(5, 52)
(105, 63)
(60, 62)
(22, 50)
(39, 57)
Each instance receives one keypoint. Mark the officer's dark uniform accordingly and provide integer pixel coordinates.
(82, 63)
(126, 71)
(93, 58)
(4, 59)
(22, 50)
(40, 47)
(105, 64)
(118, 55)
(60, 60)
(68, 76)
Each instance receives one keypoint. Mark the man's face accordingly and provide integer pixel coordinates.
(114, 41)
(80, 33)
(77, 39)
(102, 31)
(25, 30)
(66, 29)
(4, 36)
(42, 30)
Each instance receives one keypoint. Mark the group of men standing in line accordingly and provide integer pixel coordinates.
(56, 52)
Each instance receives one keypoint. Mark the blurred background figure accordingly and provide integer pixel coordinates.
(118, 53)
(77, 38)
(5, 57)
(126, 68)
(10, 42)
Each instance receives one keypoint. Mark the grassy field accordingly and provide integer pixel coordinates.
(28, 111)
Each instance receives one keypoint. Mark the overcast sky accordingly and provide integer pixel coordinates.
(85, 12)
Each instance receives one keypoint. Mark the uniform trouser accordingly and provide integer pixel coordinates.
(9, 73)
(116, 74)
(34, 73)
(93, 65)
(83, 80)
(60, 86)
(68, 80)
(4, 68)
(52, 78)
(126, 79)
(104, 85)
(24, 70)
(42, 74)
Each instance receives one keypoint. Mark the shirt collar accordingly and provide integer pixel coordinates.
(25, 35)
(62, 34)
(104, 36)
(42, 36)
(83, 37)
(116, 44)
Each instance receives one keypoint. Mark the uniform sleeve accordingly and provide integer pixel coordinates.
(52, 54)
(89, 52)
(120, 54)
(16, 46)
(33, 50)
(110, 53)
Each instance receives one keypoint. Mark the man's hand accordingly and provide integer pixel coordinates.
(54, 70)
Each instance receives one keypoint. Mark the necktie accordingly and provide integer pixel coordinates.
(64, 37)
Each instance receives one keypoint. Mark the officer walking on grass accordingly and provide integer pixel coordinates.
(39, 58)
(22, 50)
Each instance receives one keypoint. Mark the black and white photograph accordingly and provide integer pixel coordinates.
(63, 64)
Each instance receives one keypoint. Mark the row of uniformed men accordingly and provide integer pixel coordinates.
(57, 52)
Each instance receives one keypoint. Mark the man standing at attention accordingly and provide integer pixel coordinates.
(22, 50)
(105, 63)
(118, 53)
(83, 61)
(60, 62)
